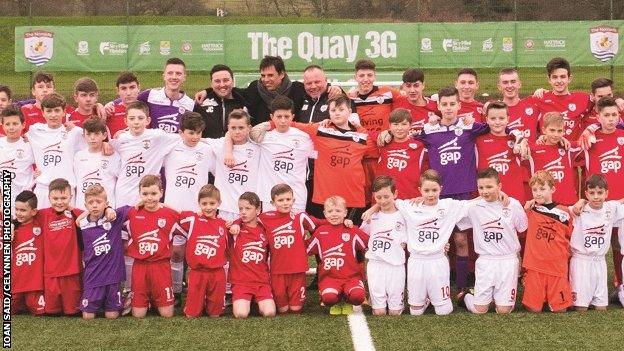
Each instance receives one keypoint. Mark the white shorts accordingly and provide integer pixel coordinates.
(386, 285)
(496, 278)
(428, 278)
(228, 216)
(588, 279)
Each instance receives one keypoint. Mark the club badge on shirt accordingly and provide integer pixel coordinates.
(106, 226)
(345, 236)
(162, 222)
(37, 231)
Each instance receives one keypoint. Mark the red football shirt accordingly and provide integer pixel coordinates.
(206, 240)
(572, 106)
(33, 114)
(78, 118)
(497, 152)
(150, 233)
(60, 242)
(337, 247)
(420, 114)
(525, 117)
(403, 161)
(249, 256)
(286, 235)
(27, 258)
(473, 108)
(117, 121)
(558, 162)
(605, 157)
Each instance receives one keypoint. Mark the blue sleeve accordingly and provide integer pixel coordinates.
(479, 128)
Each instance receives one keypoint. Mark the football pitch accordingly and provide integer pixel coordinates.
(315, 329)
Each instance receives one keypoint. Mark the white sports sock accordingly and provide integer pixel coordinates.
(177, 274)
(445, 309)
(469, 301)
(129, 262)
(415, 311)
(621, 294)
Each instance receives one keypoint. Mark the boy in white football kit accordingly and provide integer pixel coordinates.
(54, 148)
(91, 166)
(386, 250)
(243, 176)
(429, 224)
(284, 155)
(590, 243)
(16, 155)
(496, 227)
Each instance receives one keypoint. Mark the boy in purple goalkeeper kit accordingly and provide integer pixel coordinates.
(103, 256)
(451, 150)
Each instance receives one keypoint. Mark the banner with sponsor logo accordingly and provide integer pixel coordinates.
(334, 46)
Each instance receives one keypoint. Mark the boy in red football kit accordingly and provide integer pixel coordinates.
(523, 114)
(42, 86)
(86, 98)
(402, 158)
(555, 159)
(249, 268)
(547, 248)
(206, 248)
(337, 246)
(27, 258)
(128, 89)
(420, 107)
(150, 230)
(496, 149)
(571, 105)
(286, 232)
(467, 84)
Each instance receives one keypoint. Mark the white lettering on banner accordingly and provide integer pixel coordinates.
(311, 47)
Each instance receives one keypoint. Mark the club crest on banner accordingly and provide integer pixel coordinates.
(603, 42)
(38, 46)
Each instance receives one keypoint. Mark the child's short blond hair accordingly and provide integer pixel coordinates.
(541, 178)
(209, 191)
(94, 190)
(553, 118)
(335, 201)
(149, 180)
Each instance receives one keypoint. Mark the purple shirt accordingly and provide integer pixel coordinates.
(103, 254)
(451, 151)
(164, 112)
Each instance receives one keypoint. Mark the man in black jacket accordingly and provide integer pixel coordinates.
(221, 98)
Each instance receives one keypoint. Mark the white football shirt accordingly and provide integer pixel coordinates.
(284, 159)
(95, 168)
(592, 229)
(186, 171)
(387, 232)
(495, 226)
(17, 158)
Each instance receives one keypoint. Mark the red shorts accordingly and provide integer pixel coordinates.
(342, 286)
(31, 301)
(289, 289)
(206, 291)
(541, 287)
(152, 281)
(62, 294)
(249, 292)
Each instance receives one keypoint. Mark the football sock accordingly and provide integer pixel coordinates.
(128, 261)
(461, 271)
(469, 301)
(177, 273)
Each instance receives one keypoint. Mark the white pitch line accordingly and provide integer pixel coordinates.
(360, 334)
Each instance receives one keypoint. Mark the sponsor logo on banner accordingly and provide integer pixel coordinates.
(529, 44)
(603, 42)
(507, 44)
(165, 47)
(456, 45)
(488, 45)
(38, 46)
(425, 45)
(186, 47)
(145, 48)
(113, 48)
(555, 44)
(213, 47)
(83, 48)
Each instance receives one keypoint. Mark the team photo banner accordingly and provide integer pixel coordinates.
(333, 46)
